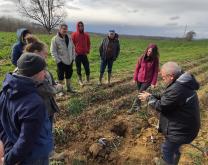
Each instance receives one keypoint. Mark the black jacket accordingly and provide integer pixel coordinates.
(179, 109)
(104, 46)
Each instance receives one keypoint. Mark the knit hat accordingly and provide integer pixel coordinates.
(30, 64)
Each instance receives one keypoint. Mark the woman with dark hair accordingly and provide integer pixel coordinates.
(146, 72)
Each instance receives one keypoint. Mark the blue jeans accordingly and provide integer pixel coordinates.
(170, 150)
(105, 63)
(42, 161)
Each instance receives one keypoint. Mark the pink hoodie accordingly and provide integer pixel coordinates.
(147, 71)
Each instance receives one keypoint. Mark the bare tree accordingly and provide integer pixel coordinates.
(48, 13)
(190, 35)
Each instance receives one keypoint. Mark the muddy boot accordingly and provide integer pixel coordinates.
(136, 106)
(160, 161)
(69, 87)
(100, 79)
(80, 81)
(109, 79)
(177, 158)
(88, 78)
(60, 94)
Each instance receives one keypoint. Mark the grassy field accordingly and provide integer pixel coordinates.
(91, 114)
(177, 50)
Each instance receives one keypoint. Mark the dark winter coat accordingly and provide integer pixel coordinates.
(179, 109)
(115, 49)
(25, 129)
(18, 47)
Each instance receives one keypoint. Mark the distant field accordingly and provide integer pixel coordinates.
(177, 50)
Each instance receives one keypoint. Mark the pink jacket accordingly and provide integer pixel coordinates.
(147, 71)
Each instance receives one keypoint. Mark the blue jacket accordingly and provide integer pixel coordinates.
(18, 47)
(24, 125)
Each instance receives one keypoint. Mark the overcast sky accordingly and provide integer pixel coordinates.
(136, 17)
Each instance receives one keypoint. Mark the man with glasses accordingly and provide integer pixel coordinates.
(82, 48)
(179, 111)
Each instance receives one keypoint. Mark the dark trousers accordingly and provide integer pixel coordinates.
(170, 150)
(142, 86)
(64, 70)
(82, 59)
(105, 63)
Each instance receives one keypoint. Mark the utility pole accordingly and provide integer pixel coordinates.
(185, 30)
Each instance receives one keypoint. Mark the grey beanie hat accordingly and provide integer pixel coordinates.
(30, 64)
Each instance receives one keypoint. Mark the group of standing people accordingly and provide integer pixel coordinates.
(27, 103)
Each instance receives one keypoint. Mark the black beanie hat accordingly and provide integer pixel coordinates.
(30, 64)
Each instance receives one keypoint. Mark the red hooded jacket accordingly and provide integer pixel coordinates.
(81, 41)
(147, 71)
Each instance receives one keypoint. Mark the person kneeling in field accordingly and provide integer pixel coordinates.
(179, 111)
(25, 129)
(146, 73)
(109, 51)
(48, 88)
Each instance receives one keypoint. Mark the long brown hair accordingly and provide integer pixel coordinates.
(34, 44)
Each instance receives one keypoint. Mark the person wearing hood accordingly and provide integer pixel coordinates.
(146, 73)
(81, 41)
(63, 51)
(179, 111)
(25, 129)
(109, 51)
(18, 47)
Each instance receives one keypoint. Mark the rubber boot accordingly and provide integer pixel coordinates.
(69, 87)
(80, 81)
(61, 82)
(100, 79)
(60, 94)
(109, 79)
(136, 106)
(88, 79)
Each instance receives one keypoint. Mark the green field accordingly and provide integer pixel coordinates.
(177, 50)
(90, 114)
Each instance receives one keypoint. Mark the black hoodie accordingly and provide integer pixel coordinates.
(179, 109)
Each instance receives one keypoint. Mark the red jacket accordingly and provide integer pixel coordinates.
(81, 42)
(146, 71)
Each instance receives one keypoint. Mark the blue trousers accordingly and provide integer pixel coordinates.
(105, 63)
(170, 150)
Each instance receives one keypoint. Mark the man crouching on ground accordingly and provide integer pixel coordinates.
(25, 129)
(179, 111)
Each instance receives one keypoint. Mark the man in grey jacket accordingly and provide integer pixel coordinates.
(62, 50)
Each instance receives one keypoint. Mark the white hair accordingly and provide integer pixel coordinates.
(171, 68)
